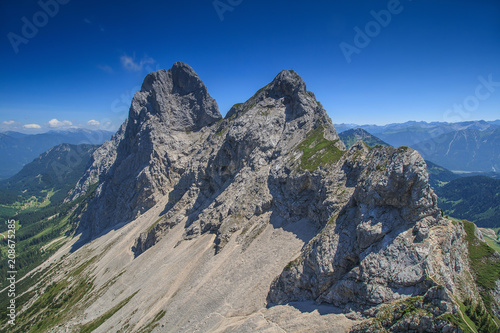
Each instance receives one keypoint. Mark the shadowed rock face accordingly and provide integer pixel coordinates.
(149, 151)
(178, 97)
(367, 218)
(374, 249)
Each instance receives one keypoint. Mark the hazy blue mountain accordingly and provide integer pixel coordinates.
(437, 127)
(412, 133)
(471, 146)
(51, 175)
(410, 136)
(14, 135)
(18, 149)
(350, 137)
(464, 150)
(34, 196)
(345, 127)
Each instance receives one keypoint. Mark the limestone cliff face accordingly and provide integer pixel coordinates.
(150, 150)
(383, 242)
(366, 220)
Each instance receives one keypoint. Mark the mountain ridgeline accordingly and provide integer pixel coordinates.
(251, 222)
(464, 150)
(471, 146)
(34, 197)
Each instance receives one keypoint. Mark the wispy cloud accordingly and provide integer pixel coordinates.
(93, 123)
(32, 126)
(91, 22)
(105, 68)
(9, 122)
(108, 126)
(54, 123)
(130, 64)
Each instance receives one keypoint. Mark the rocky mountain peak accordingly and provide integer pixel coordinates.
(178, 97)
(300, 108)
(287, 83)
(181, 78)
(152, 148)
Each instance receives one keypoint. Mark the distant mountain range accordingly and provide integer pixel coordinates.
(437, 127)
(464, 150)
(18, 149)
(472, 146)
(34, 196)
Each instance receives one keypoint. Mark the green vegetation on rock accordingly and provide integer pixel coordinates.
(54, 306)
(153, 323)
(484, 263)
(486, 268)
(318, 151)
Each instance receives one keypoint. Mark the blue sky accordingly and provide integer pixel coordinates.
(425, 60)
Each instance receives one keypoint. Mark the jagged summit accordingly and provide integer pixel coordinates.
(287, 83)
(181, 78)
(287, 92)
(150, 151)
(178, 96)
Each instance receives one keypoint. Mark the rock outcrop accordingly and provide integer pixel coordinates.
(382, 244)
(151, 149)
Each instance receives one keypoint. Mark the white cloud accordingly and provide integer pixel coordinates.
(130, 64)
(9, 122)
(105, 68)
(57, 123)
(32, 126)
(86, 20)
(93, 123)
(107, 126)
